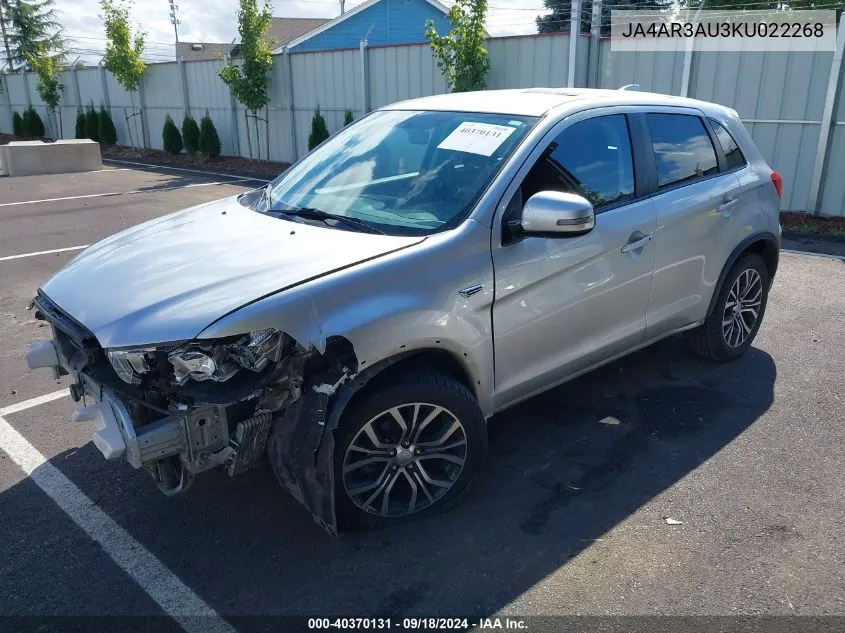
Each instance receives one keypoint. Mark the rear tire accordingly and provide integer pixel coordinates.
(731, 326)
(387, 468)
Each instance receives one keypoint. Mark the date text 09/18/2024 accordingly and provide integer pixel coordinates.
(410, 624)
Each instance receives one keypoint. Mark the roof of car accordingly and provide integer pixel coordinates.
(537, 101)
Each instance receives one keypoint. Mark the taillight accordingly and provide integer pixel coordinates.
(777, 181)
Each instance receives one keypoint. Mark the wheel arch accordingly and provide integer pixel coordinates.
(437, 359)
(764, 244)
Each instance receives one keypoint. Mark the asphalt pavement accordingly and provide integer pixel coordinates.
(719, 491)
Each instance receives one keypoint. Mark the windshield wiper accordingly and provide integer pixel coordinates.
(310, 213)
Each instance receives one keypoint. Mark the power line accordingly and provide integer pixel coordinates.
(104, 39)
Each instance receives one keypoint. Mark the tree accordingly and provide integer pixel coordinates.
(92, 123)
(209, 143)
(49, 87)
(17, 124)
(559, 19)
(33, 126)
(106, 131)
(170, 137)
(249, 81)
(190, 134)
(123, 53)
(461, 56)
(32, 31)
(319, 130)
(348, 118)
(79, 130)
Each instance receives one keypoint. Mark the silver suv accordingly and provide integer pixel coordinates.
(361, 317)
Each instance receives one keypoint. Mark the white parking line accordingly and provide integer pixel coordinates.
(50, 252)
(195, 171)
(163, 586)
(90, 195)
(34, 402)
(123, 193)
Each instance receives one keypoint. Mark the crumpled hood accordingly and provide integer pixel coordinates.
(169, 278)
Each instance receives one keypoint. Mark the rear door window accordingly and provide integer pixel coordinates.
(682, 149)
(733, 155)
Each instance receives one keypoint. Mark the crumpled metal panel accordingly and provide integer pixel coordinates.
(301, 452)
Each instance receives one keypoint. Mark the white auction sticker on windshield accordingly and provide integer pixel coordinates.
(477, 138)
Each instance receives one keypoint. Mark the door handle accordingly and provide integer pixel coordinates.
(637, 244)
(726, 206)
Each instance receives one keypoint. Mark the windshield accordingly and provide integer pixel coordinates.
(403, 172)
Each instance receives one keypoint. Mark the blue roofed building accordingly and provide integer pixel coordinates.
(380, 22)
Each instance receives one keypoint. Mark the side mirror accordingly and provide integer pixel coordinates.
(557, 213)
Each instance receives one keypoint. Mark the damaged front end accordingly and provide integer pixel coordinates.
(179, 408)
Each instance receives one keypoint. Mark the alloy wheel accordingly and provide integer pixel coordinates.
(404, 459)
(742, 308)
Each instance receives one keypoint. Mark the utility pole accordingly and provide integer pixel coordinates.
(174, 20)
(5, 38)
(342, 6)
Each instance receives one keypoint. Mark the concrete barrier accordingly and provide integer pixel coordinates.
(31, 158)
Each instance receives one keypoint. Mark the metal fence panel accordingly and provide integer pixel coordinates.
(402, 72)
(330, 80)
(207, 92)
(277, 112)
(125, 108)
(833, 186)
(16, 96)
(5, 109)
(90, 86)
(839, 115)
(759, 85)
(68, 106)
(788, 148)
(653, 71)
(535, 61)
(162, 96)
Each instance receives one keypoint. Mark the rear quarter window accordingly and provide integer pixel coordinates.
(733, 155)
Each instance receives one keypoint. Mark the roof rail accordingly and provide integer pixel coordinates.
(633, 87)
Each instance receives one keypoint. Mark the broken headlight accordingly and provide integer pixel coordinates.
(201, 360)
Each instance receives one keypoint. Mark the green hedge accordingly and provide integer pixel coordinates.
(92, 123)
(170, 136)
(191, 135)
(33, 126)
(106, 131)
(319, 130)
(209, 142)
(80, 125)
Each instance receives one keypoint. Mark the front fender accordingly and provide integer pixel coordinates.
(395, 304)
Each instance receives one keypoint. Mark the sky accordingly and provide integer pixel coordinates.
(216, 21)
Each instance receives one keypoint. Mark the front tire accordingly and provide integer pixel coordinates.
(730, 328)
(407, 448)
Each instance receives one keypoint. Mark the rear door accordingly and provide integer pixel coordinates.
(695, 201)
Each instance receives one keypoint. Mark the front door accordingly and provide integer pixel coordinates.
(563, 304)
